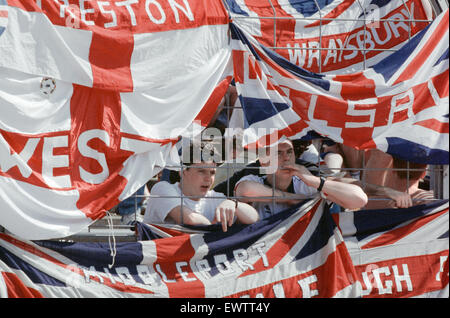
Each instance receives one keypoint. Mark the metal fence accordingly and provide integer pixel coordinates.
(436, 175)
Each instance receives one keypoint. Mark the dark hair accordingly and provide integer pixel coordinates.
(300, 146)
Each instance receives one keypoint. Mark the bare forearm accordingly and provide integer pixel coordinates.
(246, 214)
(187, 216)
(248, 191)
(369, 188)
(348, 195)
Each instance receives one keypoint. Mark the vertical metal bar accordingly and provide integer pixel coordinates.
(274, 25)
(320, 36)
(363, 179)
(182, 193)
(407, 177)
(365, 30)
(410, 19)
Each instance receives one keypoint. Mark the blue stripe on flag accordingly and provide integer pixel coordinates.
(236, 34)
(321, 235)
(258, 109)
(442, 58)
(235, 8)
(34, 274)
(309, 7)
(243, 237)
(389, 65)
(367, 222)
(97, 254)
(411, 151)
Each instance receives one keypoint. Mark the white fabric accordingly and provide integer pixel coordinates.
(266, 209)
(158, 208)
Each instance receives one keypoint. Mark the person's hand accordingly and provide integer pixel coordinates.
(300, 171)
(296, 169)
(401, 199)
(224, 214)
(422, 197)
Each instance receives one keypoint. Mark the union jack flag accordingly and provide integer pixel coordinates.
(394, 106)
(301, 252)
(91, 95)
(343, 28)
(385, 250)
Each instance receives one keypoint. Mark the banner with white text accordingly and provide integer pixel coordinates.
(303, 252)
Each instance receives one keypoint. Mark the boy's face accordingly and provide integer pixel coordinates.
(279, 156)
(198, 179)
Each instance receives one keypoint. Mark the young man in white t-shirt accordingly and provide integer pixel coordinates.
(291, 183)
(191, 201)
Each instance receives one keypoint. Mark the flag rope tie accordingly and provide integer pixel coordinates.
(112, 246)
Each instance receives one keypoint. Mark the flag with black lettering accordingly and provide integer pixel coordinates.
(302, 252)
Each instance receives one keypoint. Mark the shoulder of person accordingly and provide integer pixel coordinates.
(164, 186)
(212, 193)
(253, 178)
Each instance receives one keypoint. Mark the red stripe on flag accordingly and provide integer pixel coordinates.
(435, 125)
(424, 54)
(173, 256)
(356, 86)
(238, 66)
(3, 13)
(17, 289)
(96, 114)
(441, 83)
(110, 57)
(324, 281)
(390, 237)
(282, 247)
(425, 273)
(208, 111)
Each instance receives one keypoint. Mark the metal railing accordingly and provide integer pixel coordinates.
(437, 175)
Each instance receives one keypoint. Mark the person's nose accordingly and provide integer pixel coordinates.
(208, 177)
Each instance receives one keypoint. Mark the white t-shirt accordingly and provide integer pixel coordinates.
(266, 209)
(158, 208)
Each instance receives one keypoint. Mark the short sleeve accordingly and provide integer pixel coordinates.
(250, 177)
(301, 188)
(158, 208)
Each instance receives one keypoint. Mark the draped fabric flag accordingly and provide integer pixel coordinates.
(399, 252)
(92, 97)
(3, 15)
(93, 94)
(344, 28)
(400, 105)
(300, 252)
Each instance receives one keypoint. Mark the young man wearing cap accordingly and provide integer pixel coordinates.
(191, 201)
(291, 183)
